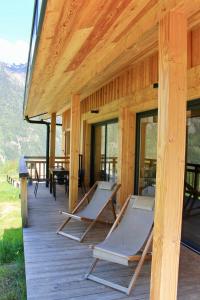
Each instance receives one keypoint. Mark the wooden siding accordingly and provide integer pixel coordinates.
(139, 76)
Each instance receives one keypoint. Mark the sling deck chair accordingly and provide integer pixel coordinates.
(129, 239)
(101, 195)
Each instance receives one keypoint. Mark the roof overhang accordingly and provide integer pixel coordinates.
(80, 45)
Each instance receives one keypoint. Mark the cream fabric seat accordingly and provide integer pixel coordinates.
(91, 206)
(129, 239)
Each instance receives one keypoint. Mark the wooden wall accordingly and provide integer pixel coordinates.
(66, 127)
(138, 76)
(132, 88)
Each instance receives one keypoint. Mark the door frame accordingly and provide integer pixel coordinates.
(191, 105)
(139, 116)
(103, 123)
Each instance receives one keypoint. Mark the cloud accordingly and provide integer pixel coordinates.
(13, 52)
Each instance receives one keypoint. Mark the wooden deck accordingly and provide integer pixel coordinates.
(55, 266)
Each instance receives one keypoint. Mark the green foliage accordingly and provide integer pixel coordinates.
(12, 281)
(10, 168)
(193, 140)
(12, 274)
(11, 245)
(17, 137)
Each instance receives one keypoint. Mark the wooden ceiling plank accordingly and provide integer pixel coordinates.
(114, 51)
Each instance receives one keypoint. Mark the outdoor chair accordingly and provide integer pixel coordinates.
(129, 240)
(36, 182)
(91, 207)
(61, 179)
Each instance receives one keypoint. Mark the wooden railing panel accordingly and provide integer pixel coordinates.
(23, 175)
(39, 163)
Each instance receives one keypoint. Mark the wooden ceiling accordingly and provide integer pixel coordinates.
(83, 43)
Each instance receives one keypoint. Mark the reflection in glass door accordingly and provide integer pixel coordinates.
(104, 151)
(146, 153)
(191, 204)
(145, 177)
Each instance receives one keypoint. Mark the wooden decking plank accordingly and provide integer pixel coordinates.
(55, 266)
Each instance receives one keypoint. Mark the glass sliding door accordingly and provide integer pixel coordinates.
(145, 171)
(146, 140)
(104, 151)
(191, 205)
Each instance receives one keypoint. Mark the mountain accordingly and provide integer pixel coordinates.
(17, 137)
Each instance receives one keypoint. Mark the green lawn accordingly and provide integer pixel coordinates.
(12, 275)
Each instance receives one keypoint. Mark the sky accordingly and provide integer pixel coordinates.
(15, 29)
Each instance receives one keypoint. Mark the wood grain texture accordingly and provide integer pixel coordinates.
(24, 204)
(84, 44)
(87, 153)
(74, 151)
(55, 266)
(52, 140)
(170, 155)
(127, 129)
(66, 128)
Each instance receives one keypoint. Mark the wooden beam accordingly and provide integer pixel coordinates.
(170, 155)
(63, 135)
(127, 124)
(87, 152)
(24, 203)
(74, 151)
(52, 140)
(142, 141)
(97, 151)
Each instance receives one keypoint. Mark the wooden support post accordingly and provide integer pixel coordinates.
(86, 152)
(63, 137)
(98, 160)
(170, 155)
(127, 124)
(23, 175)
(52, 140)
(24, 204)
(142, 154)
(74, 151)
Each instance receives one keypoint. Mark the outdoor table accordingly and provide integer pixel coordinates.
(59, 172)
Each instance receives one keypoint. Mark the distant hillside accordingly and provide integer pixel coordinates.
(17, 137)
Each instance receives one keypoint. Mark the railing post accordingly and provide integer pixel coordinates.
(47, 155)
(23, 175)
(24, 204)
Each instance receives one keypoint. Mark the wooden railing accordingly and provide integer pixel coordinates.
(192, 176)
(23, 175)
(192, 172)
(109, 166)
(39, 163)
(13, 181)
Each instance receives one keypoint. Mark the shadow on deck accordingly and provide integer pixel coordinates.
(55, 266)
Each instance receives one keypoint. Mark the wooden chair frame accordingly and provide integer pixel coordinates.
(36, 183)
(145, 255)
(188, 209)
(92, 222)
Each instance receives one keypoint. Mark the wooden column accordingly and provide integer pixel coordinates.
(142, 153)
(74, 151)
(127, 125)
(52, 140)
(87, 152)
(170, 155)
(97, 161)
(24, 204)
(63, 135)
